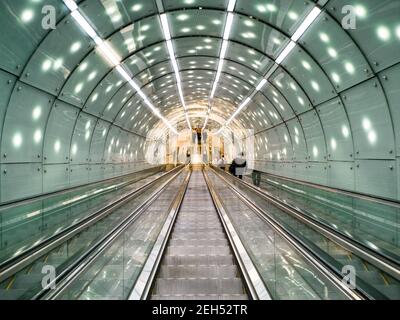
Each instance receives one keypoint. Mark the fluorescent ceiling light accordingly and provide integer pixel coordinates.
(306, 23)
(123, 73)
(171, 52)
(314, 13)
(290, 46)
(71, 4)
(170, 49)
(261, 84)
(224, 48)
(271, 71)
(182, 98)
(84, 25)
(231, 5)
(110, 55)
(213, 90)
(165, 25)
(245, 103)
(206, 121)
(228, 26)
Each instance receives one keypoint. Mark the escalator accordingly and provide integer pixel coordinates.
(376, 277)
(197, 240)
(198, 262)
(21, 277)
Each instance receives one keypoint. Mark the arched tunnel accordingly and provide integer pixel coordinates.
(200, 149)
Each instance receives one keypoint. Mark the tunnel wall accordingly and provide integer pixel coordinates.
(58, 127)
(331, 110)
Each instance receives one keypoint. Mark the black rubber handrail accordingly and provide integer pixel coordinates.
(303, 247)
(25, 258)
(84, 261)
(384, 262)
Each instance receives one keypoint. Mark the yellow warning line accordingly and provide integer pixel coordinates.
(10, 284)
(349, 256)
(384, 279)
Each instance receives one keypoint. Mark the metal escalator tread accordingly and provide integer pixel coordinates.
(198, 263)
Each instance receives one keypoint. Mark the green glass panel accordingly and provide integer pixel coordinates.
(286, 15)
(109, 16)
(377, 29)
(336, 53)
(21, 22)
(24, 124)
(60, 127)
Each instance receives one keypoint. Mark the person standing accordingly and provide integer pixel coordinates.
(188, 157)
(221, 163)
(239, 164)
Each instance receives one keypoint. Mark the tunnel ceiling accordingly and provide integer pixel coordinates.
(326, 61)
(334, 96)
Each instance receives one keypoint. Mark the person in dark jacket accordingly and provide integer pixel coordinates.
(238, 166)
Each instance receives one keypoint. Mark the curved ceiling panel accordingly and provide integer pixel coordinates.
(318, 97)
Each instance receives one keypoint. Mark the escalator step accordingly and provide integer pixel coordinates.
(198, 260)
(199, 242)
(198, 286)
(229, 271)
(201, 250)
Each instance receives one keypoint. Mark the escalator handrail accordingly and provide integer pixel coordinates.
(25, 258)
(143, 284)
(381, 261)
(12, 204)
(85, 260)
(251, 276)
(307, 254)
(352, 194)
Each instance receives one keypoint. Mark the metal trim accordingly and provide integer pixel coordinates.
(13, 265)
(252, 278)
(301, 249)
(143, 284)
(66, 278)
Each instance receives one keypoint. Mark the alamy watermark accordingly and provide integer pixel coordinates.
(349, 21)
(349, 276)
(49, 279)
(49, 19)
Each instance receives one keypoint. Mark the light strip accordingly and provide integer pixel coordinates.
(171, 52)
(72, 6)
(231, 5)
(109, 54)
(290, 46)
(306, 23)
(224, 48)
(244, 104)
(228, 26)
(261, 84)
(314, 13)
(165, 25)
(85, 25)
